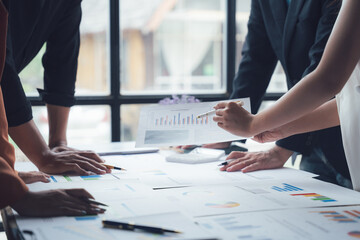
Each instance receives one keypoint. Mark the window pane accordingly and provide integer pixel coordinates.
(278, 80)
(87, 124)
(172, 46)
(129, 121)
(93, 64)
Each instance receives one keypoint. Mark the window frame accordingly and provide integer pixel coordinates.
(115, 99)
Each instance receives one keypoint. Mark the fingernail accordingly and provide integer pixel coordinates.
(98, 209)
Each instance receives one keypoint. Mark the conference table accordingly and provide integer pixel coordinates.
(198, 200)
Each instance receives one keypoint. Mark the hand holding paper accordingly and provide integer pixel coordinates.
(179, 124)
(232, 117)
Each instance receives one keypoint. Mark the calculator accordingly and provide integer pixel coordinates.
(198, 155)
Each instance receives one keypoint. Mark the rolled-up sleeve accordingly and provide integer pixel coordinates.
(61, 58)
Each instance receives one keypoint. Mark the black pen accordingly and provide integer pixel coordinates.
(113, 167)
(134, 227)
(223, 163)
(94, 202)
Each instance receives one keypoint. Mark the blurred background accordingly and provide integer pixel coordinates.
(165, 47)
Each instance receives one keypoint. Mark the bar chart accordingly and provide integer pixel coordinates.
(286, 188)
(179, 119)
(315, 197)
(337, 217)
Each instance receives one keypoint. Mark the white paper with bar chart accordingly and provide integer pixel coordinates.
(177, 124)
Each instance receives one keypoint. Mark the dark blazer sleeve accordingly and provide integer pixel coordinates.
(303, 142)
(258, 61)
(61, 58)
(17, 106)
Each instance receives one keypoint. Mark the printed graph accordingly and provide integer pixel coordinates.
(222, 205)
(315, 197)
(233, 224)
(286, 188)
(354, 213)
(87, 218)
(337, 217)
(66, 178)
(180, 120)
(354, 234)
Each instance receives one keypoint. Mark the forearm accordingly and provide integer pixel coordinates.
(325, 116)
(30, 141)
(340, 57)
(58, 120)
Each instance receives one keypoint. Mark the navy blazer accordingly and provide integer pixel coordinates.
(296, 36)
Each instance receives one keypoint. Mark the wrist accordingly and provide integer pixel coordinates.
(57, 143)
(44, 158)
(281, 153)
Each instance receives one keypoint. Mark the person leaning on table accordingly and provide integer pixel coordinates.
(307, 107)
(294, 33)
(13, 190)
(31, 24)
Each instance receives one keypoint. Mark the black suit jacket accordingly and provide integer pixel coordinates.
(31, 25)
(296, 36)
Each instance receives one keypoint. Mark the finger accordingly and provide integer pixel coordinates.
(85, 164)
(92, 155)
(78, 193)
(44, 178)
(73, 168)
(86, 207)
(232, 105)
(240, 165)
(92, 162)
(236, 154)
(68, 211)
(220, 105)
(218, 119)
(223, 168)
(253, 167)
(229, 164)
(220, 112)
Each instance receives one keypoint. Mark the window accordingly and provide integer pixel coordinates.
(136, 52)
(172, 46)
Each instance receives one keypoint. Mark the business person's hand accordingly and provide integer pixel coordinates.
(234, 118)
(60, 160)
(34, 176)
(253, 161)
(61, 202)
